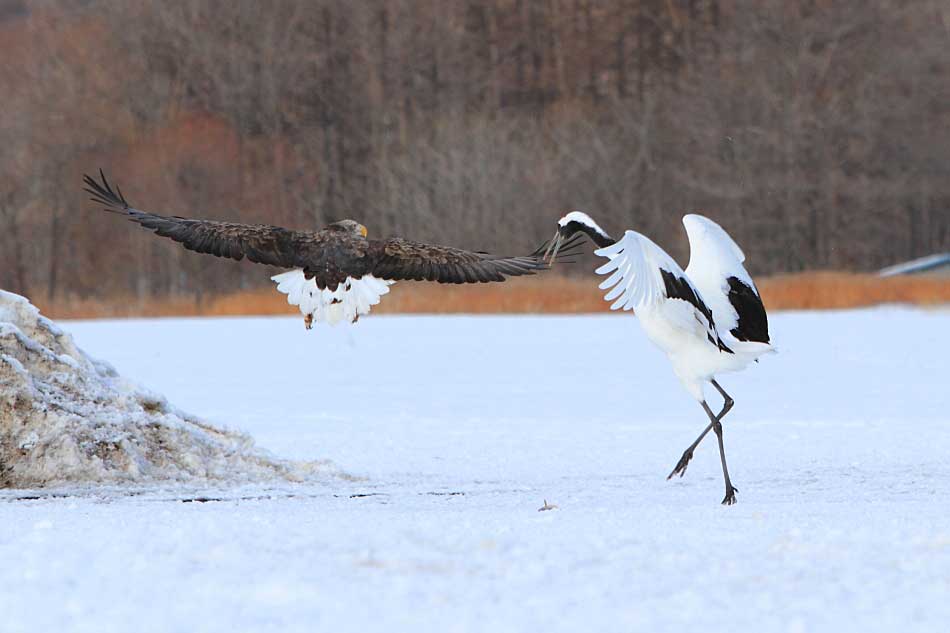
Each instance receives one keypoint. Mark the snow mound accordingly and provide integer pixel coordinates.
(66, 418)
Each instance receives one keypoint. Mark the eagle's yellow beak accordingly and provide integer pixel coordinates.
(363, 230)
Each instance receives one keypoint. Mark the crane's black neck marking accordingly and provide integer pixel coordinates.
(597, 236)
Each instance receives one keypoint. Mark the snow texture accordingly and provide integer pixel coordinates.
(66, 418)
(461, 428)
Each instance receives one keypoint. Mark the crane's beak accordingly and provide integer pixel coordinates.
(553, 248)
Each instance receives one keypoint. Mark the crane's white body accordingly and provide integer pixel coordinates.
(695, 361)
(693, 342)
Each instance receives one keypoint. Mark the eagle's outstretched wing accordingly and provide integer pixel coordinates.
(397, 258)
(260, 243)
(328, 257)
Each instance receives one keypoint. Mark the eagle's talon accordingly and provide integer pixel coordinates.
(308, 321)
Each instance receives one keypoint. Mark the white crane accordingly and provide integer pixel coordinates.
(708, 319)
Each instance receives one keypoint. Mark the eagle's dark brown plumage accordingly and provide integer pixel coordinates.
(329, 255)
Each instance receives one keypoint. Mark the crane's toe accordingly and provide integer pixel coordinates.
(730, 497)
(681, 465)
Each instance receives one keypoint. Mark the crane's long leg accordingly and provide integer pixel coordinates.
(731, 491)
(688, 453)
(727, 400)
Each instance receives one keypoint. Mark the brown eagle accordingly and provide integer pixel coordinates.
(338, 274)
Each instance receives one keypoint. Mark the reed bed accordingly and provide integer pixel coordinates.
(550, 294)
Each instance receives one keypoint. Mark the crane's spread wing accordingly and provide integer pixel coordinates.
(715, 266)
(260, 243)
(398, 258)
(642, 274)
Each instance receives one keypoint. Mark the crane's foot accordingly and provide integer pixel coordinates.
(730, 497)
(681, 464)
(308, 321)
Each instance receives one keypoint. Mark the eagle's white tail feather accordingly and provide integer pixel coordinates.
(351, 298)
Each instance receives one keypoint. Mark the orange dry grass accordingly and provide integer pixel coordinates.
(549, 294)
(832, 290)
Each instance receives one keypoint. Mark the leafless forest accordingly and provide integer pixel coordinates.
(817, 132)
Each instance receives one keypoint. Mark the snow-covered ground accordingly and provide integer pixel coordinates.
(458, 429)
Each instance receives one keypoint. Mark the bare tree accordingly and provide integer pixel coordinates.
(811, 129)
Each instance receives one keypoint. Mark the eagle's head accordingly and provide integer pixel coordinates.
(351, 227)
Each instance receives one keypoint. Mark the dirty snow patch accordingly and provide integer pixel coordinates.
(66, 418)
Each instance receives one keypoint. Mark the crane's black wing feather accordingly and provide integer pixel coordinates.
(753, 324)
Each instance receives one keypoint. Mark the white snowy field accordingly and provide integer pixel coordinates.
(458, 428)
